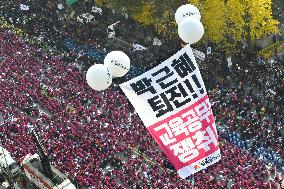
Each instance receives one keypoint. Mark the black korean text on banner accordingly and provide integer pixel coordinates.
(172, 101)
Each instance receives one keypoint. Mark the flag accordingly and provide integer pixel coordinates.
(24, 7)
(138, 47)
(157, 42)
(172, 102)
(230, 63)
(198, 54)
(97, 10)
(60, 6)
(209, 50)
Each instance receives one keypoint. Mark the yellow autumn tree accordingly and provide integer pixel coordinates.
(259, 19)
(226, 21)
(235, 12)
(166, 24)
(144, 14)
(197, 3)
(102, 2)
(229, 21)
(214, 20)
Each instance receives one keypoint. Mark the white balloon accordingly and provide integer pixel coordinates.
(118, 63)
(190, 30)
(98, 77)
(186, 11)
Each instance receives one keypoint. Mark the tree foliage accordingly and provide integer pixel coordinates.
(235, 23)
(214, 20)
(166, 25)
(144, 14)
(226, 21)
(259, 19)
(229, 21)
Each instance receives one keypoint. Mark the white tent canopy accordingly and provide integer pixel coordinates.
(5, 158)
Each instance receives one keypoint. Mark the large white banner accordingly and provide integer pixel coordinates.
(172, 101)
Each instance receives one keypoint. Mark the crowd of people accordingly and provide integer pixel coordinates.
(84, 131)
(250, 104)
(82, 128)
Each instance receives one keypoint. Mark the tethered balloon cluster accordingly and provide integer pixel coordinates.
(117, 63)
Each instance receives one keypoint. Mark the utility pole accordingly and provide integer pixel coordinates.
(42, 154)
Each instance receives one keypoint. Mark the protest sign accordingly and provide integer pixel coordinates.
(172, 101)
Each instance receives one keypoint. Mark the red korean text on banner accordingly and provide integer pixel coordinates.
(172, 101)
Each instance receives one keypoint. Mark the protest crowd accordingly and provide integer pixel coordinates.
(97, 138)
